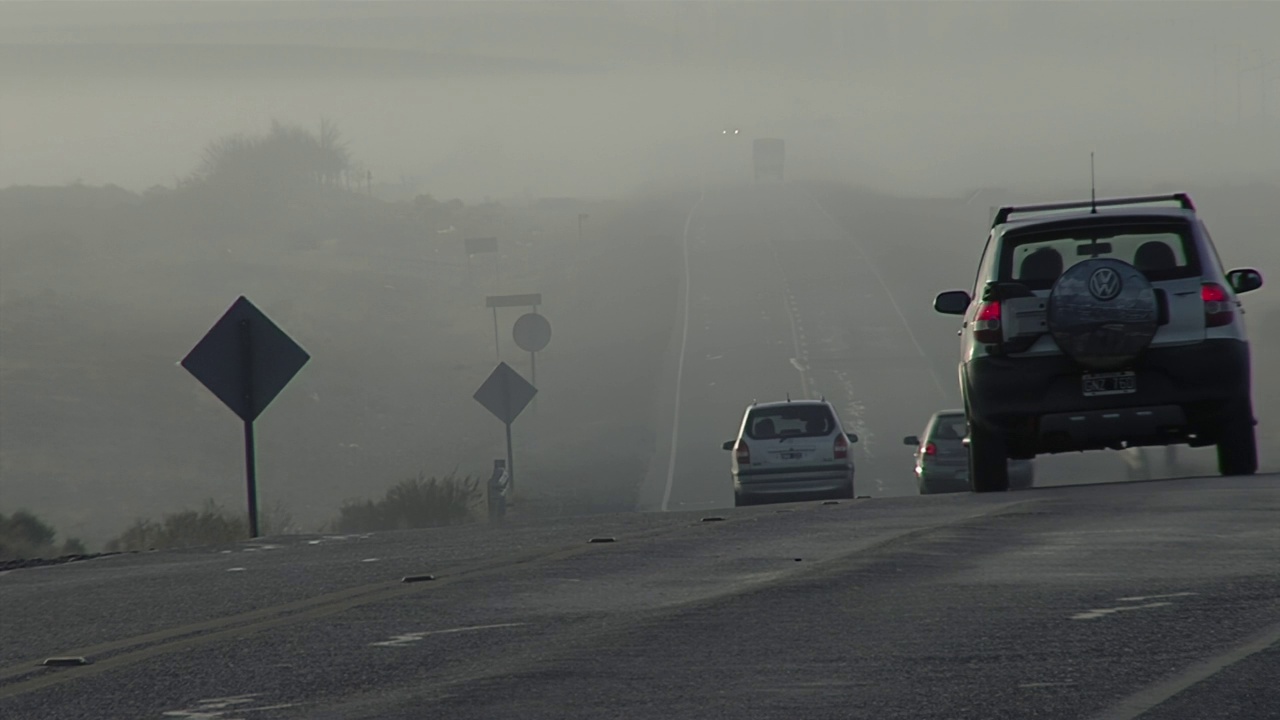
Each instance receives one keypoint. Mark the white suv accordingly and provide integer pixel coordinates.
(791, 449)
(1103, 324)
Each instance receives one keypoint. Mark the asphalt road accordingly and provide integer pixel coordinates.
(1137, 600)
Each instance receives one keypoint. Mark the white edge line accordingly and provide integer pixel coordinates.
(889, 294)
(1142, 701)
(684, 341)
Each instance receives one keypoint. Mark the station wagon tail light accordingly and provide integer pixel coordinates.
(841, 447)
(930, 449)
(1217, 305)
(986, 326)
(742, 453)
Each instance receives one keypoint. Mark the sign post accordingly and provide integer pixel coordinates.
(532, 332)
(245, 360)
(506, 394)
(531, 300)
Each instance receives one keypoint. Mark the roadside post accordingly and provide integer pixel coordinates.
(497, 491)
(245, 360)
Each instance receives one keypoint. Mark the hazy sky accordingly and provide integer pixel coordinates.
(477, 98)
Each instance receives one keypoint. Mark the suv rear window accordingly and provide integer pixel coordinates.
(1035, 257)
(790, 421)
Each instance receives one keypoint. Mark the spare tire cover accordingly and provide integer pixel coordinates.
(1103, 313)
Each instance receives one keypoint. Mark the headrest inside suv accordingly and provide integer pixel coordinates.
(1041, 268)
(1154, 256)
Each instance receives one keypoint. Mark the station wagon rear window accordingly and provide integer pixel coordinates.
(790, 421)
(950, 427)
(1036, 257)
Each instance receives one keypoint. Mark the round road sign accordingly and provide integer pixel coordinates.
(532, 332)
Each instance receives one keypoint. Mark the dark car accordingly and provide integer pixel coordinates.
(942, 457)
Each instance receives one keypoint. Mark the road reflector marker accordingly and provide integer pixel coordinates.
(64, 662)
(417, 578)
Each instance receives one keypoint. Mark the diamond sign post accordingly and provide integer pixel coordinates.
(506, 394)
(246, 360)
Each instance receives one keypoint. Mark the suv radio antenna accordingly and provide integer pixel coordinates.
(1093, 187)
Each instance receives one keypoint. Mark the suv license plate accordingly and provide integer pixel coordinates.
(1112, 383)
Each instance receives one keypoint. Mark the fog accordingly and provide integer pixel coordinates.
(496, 99)
(122, 239)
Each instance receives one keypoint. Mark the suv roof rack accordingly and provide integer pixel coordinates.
(1002, 215)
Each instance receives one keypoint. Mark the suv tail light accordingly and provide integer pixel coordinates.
(841, 447)
(743, 453)
(986, 325)
(1217, 305)
(930, 449)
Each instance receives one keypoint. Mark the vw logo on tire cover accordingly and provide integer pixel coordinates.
(1105, 284)
(1103, 313)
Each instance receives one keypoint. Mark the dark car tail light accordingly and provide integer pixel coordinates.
(1217, 305)
(742, 453)
(841, 447)
(930, 449)
(986, 325)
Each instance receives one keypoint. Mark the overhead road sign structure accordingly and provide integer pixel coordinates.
(245, 360)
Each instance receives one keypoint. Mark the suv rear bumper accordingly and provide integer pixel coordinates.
(1183, 394)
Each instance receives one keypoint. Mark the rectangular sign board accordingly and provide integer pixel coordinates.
(529, 300)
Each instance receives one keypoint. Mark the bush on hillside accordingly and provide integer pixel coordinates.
(413, 503)
(210, 525)
(23, 536)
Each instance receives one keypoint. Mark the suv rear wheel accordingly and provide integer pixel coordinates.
(988, 461)
(1238, 445)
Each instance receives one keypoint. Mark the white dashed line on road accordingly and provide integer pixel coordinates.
(409, 638)
(1103, 612)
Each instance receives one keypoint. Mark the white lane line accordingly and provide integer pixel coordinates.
(1141, 702)
(1140, 598)
(796, 344)
(889, 294)
(684, 342)
(402, 640)
(1103, 612)
(225, 708)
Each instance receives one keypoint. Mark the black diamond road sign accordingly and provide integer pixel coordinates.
(245, 360)
(505, 393)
